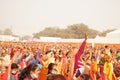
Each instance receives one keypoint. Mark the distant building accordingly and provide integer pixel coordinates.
(114, 34)
(50, 39)
(8, 38)
(111, 37)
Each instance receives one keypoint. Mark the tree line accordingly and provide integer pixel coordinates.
(75, 31)
(6, 31)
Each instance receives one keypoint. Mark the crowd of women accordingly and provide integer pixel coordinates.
(43, 61)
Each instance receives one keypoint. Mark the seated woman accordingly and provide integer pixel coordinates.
(29, 73)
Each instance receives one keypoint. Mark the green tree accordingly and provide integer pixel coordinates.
(36, 35)
(76, 31)
(0, 31)
(7, 32)
(106, 31)
(25, 37)
(93, 33)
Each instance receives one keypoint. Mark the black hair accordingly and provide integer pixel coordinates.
(106, 46)
(56, 77)
(111, 51)
(48, 52)
(14, 65)
(26, 71)
(78, 74)
(50, 67)
(85, 77)
(60, 51)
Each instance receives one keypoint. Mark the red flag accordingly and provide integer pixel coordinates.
(78, 55)
(64, 64)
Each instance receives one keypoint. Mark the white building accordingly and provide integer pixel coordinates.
(112, 37)
(8, 38)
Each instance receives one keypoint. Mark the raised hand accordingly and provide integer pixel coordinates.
(86, 36)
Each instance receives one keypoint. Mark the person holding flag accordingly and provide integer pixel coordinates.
(79, 64)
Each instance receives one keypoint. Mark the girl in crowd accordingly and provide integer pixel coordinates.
(29, 73)
(52, 69)
(14, 71)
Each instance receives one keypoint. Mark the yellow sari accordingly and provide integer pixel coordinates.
(108, 69)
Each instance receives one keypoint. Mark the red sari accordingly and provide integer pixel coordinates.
(64, 66)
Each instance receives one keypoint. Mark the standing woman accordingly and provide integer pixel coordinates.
(108, 68)
(29, 73)
(44, 71)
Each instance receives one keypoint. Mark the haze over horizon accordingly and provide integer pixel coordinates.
(30, 16)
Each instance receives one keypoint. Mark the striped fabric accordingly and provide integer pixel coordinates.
(78, 63)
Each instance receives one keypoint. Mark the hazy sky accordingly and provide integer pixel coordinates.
(29, 16)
